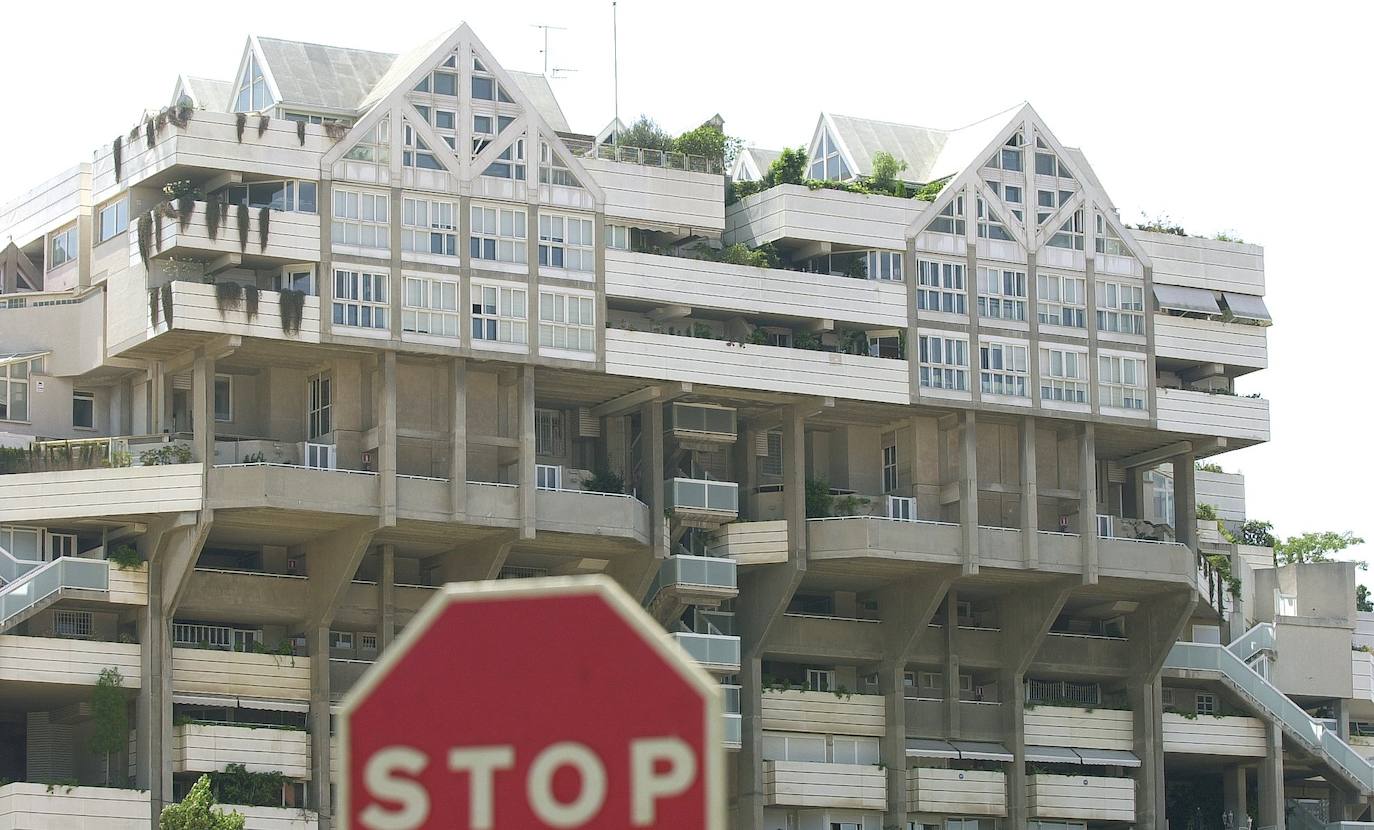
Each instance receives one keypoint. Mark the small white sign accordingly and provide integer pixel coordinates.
(39, 385)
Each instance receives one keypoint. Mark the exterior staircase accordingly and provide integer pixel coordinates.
(30, 586)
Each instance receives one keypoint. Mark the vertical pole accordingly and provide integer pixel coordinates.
(458, 438)
(319, 724)
(386, 599)
(1030, 497)
(1087, 501)
(525, 421)
(968, 490)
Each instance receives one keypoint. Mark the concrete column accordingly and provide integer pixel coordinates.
(1009, 683)
(317, 638)
(1233, 796)
(152, 714)
(1270, 775)
(386, 599)
(951, 632)
(1030, 497)
(894, 740)
(525, 423)
(1087, 501)
(749, 801)
(458, 438)
(651, 433)
(794, 482)
(1185, 499)
(968, 489)
(203, 410)
(386, 438)
(1148, 735)
(1133, 495)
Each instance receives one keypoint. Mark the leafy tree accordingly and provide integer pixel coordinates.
(1362, 601)
(647, 134)
(1256, 532)
(1160, 223)
(818, 498)
(928, 192)
(886, 169)
(706, 141)
(195, 812)
(110, 716)
(1314, 546)
(788, 168)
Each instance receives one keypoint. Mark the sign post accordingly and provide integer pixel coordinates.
(532, 703)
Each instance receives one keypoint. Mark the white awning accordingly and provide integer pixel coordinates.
(982, 751)
(1107, 757)
(1052, 755)
(234, 702)
(1247, 307)
(928, 748)
(22, 357)
(1186, 300)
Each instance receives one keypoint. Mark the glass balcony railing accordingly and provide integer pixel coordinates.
(702, 494)
(68, 572)
(734, 729)
(712, 420)
(710, 650)
(695, 571)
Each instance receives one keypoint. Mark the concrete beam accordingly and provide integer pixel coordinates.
(631, 401)
(1156, 456)
(479, 561)
(635, 571)
(331, 562)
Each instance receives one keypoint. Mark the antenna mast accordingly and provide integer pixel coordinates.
(545, 51)
(615, 72)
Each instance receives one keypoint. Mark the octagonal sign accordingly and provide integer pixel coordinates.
(532, 703)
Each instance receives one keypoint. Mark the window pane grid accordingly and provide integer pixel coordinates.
(498, 314)
(943, 362)
(360, 299)
(1003, 369)
(940, 287)
(567, 321)
(1121, 381)
(430, 306)
(360, 219)
(497, 234)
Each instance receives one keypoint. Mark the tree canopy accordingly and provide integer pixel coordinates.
(1313, 546)
(196, 812)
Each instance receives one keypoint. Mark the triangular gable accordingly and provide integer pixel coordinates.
(968, 179)
(432, 141)
(827, 138)
(252, 54)
(1001, 213)
(491, 154)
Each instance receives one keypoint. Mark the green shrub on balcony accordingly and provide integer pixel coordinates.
(165, 454)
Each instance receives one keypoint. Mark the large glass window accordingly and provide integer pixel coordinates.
(1120, 307)
(1070, 234)
(360, 219)
(114, 220)
(548, 432)
(567, 321)
(14, 389)
(1063, 375)
(431, 306)
(885, 265)
(253, 95)
(950, 219)
(498, 234)
(510, 162)
(1049, 201)
(416, 153)
(1108, 241)
(990, 224)
(224, 398)
(1001, 294)
(498, 314)
(62, 247)
(553, 170)
(940, 287)
(1121, 381)
(566, 242)
(827, 162)
(361, 299)
(618, 237)
(373, 145)
(1009, 155)
(83, 410)
(943, 362)
(1061, 300)
(320, 403)
(890, 468)
(291, 195)
(428, 227)
(1003, 369)
(485, 87)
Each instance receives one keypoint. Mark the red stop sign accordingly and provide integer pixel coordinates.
(527, 704)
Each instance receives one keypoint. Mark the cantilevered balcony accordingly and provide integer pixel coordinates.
(810, 784)
(289, 236)
(100, 491)
(1086, 797)
(1204, 413)
(965, 792)
(717, 653)
(701, 502)
(690, 580)
(209, 747)
(196, 307)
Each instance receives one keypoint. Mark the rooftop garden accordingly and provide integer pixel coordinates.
(791, 166)
(1162, 223)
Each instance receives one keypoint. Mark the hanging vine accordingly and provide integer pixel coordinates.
(292, 304)
(167, 303)
(250, 301)
(145, 236)
(118, 152)
(148, 133)
(240, 120)
(264, 217)
(214, 217)
(153, 300)
(263, 121)
(228, 296)
(186, 207)
(243, 226)
(300, 132)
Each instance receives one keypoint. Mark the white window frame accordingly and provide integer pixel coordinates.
(1115, 388)
(58, 545)
(228, 381)
(16, 375)
(291, 191)
(885, 266)
(509, 163)
(789, 746)
(567, 322)
(990, 225)
(1070, 234)
(549, 435)
(847, 749)
(498, 234)
(430, 305)
(365, 294)
(943, 362)
(425, 222)
(1107, 241)
(63, 246)
(617, 237)
(342, 640)
(548, 476)
(828, 163)
(78, 394)
(889, 468)
(820, 680)
(950, 219)
(553, 170)
(500, 314)
(1063, 375)
(902, 508)
(1120, 307)
(567, 242)
(319, 406)
(415, 153)
(1004, 369)
(118, 213)
(1010, 156)
(1206, 703)
(373, 147)
(293, 275)
(367, 641)
(1061, 300)
(253, 94)
(360, 220)
(73, 624)
(941, 287)
(1001, 294)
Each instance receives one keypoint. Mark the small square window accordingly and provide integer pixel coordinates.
(83, 410)
(1206, 704)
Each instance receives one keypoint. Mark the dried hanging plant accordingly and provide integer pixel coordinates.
(145, 236)
(228, 296)
(300, 132)
(243, 226)
(167, 303)
(118, 151)
(292, 304)
(180, 115)
(240, 120)
(263, 121)
(157, 214)
(214, 216)
(250, 301)
(133, 134)
(153, 299)
(186, 206)
(149, 133)
(264, 216)
(336, 130)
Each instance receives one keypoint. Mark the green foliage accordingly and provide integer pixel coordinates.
(178, 189)
(165, 454)
(1256, 532)
(788, 168)
(706, 141)
(702, 330)
(849, 505)
(758, 337)
(1207, 512)
(255, 458)
(1228, 236)
(51, 457)
(604, 481)
(236, 785)
(819, 502)
(125, 557)
(1221, 563)
(808, 340)
(109, 717)
(647, 134)
(228, 296)
(1314, 546)
(1160, 223)
(1207, 467)
(764, 256)
(196, 812)
(886, 169)
(928, 192)
(1362, 600)
(292, 306)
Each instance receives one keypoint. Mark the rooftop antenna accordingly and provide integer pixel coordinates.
(615, 73)
(545, 50)
(563, 69)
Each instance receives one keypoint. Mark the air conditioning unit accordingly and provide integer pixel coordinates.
(901, 507)
(548, 476)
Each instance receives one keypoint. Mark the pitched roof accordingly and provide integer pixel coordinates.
(209, 94)
(540, 94)
(762, 159)
(930, 154)
(329, 77)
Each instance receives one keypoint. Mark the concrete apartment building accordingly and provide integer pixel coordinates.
(923, 497)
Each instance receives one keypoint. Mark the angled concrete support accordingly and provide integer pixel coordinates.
(635, 571)
(1271, 798)
(968, 490)
(478, 561)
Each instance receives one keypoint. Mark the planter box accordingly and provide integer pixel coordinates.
(66, 662)
(799, 711)
(26, 806)
(750, 543)
(212, 748)
(845, 786)
(1081, 796)
(1206, 735)
(263, 676)
(957, 791)
(1066, 726)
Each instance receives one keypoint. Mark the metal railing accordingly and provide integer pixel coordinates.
(64, 573)
(702, 494)
(648, 157)
(703, 571)
(714, 650)
(1063, 691)
(1259, 638)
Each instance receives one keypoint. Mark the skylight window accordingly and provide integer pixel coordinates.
(253, 95)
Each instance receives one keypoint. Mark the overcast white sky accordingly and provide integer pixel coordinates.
(1224, 115)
